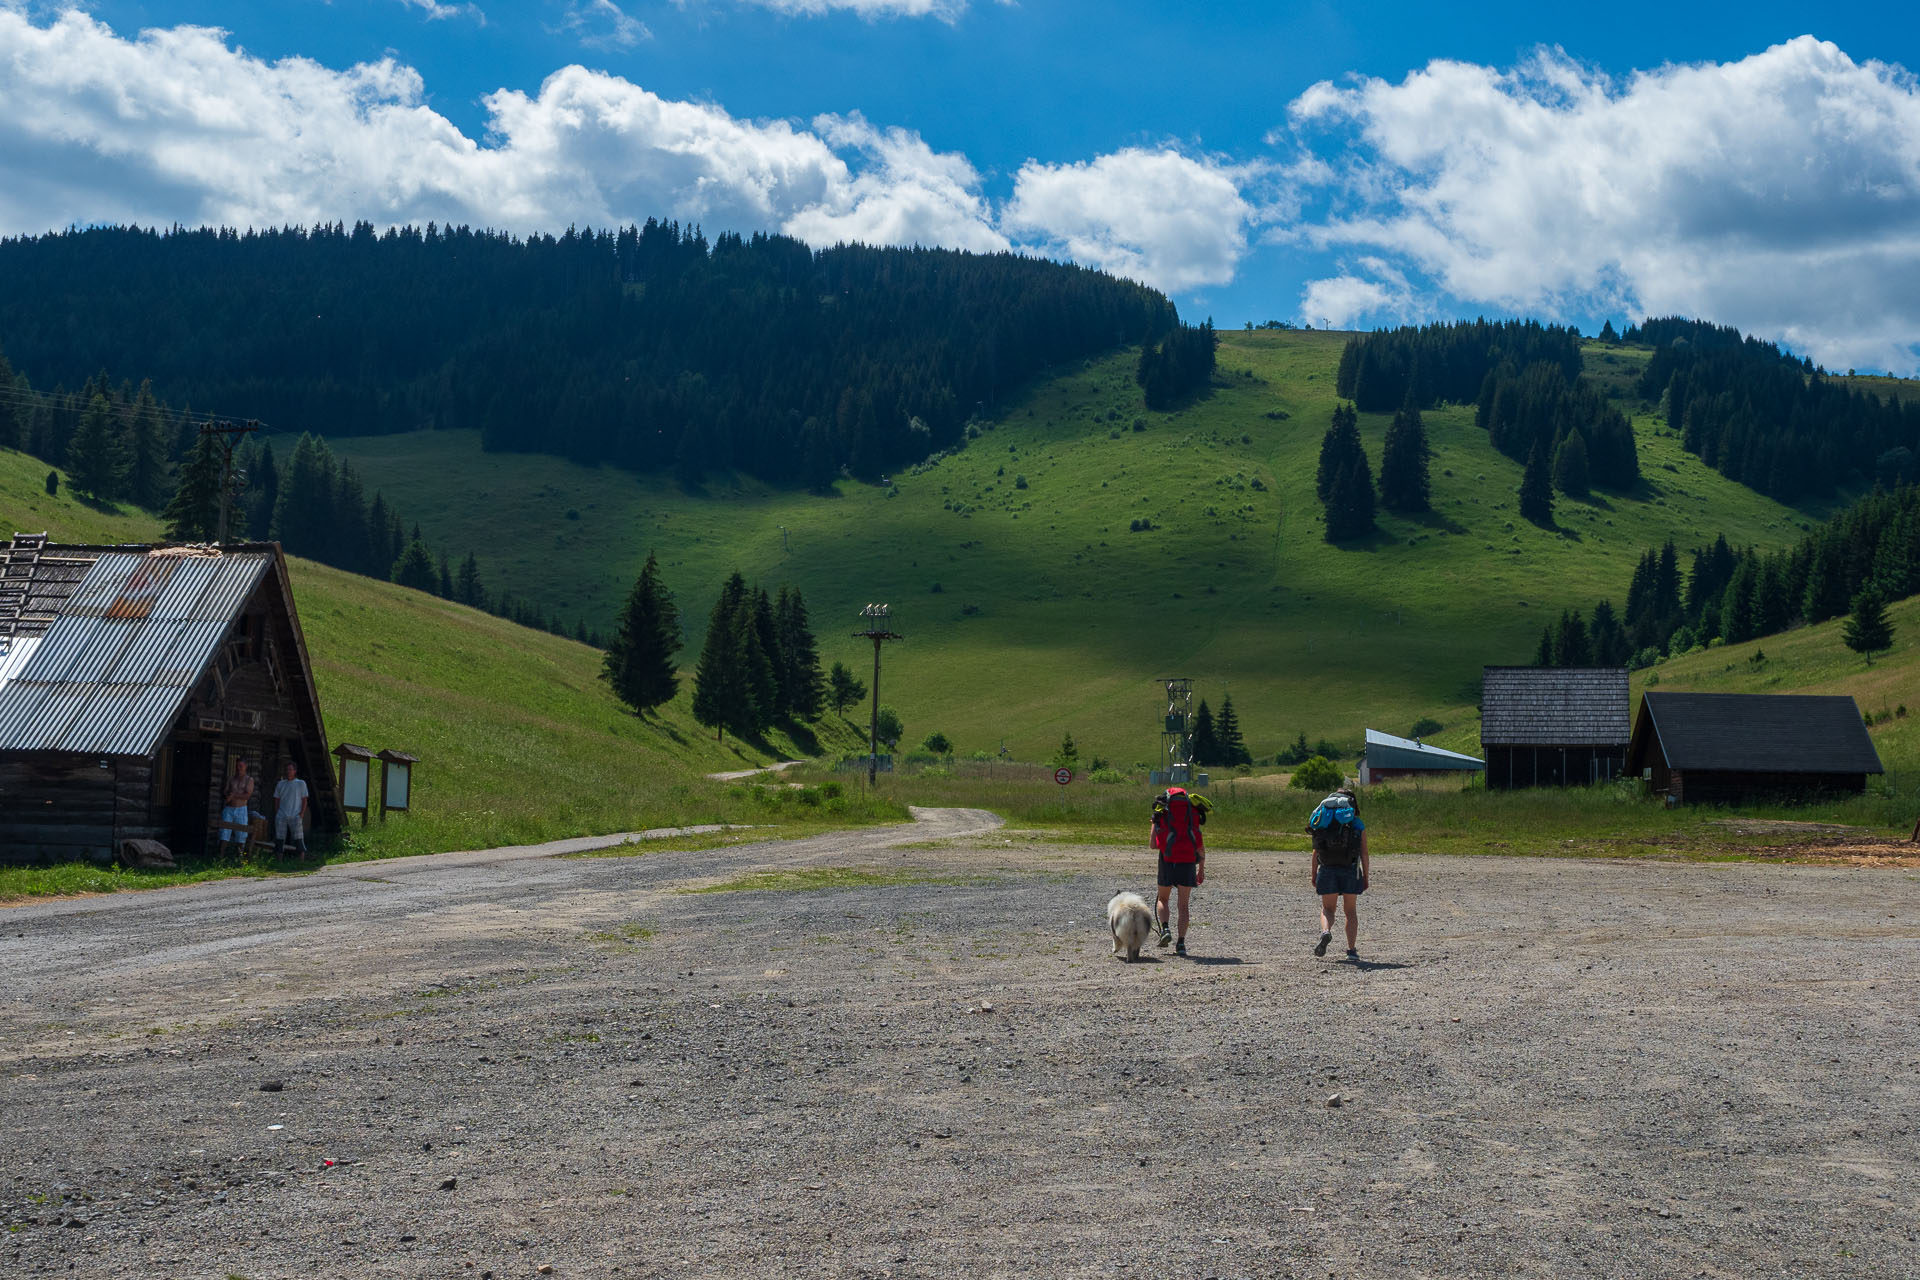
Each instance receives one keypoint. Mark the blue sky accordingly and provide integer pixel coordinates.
(1351, 163)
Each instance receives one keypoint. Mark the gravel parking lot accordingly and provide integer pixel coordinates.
(908, 1053)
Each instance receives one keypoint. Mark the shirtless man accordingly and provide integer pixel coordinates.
(239, 797)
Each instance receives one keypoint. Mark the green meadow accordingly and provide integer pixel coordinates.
(518, 738)
(1047, 574)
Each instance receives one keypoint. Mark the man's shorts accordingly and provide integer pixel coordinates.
(1337, 879)
(286, 826)
(234, 813)
(1178, 874)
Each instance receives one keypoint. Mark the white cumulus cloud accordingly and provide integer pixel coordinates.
(1157, 216)
(907, 194)
(179, 125)
(1779, 193)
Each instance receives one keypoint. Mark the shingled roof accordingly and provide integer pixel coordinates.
(1554, 706)
(1754, 733)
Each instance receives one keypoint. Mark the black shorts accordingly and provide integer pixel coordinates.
(1337, 879)
(1181, 875)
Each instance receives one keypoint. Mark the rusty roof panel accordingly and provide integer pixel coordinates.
(115, 667)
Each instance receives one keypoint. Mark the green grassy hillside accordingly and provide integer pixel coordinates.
(1033, 611)
(518, 739)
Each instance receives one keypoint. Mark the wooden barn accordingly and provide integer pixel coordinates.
(1390, 757)
(1554, 726)
(131, 679)
(1734, 748)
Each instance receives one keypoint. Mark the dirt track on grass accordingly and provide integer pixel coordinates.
(1544, 1067)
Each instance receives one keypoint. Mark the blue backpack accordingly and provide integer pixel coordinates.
(1336, 827)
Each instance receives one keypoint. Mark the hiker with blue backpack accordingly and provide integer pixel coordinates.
(1178, 816)
(1340, 865)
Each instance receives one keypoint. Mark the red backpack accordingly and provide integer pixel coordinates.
(1176, 825)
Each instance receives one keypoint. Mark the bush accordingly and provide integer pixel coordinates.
(1317, 774)
(938, 743)
(1107, 775)
(1425, 727)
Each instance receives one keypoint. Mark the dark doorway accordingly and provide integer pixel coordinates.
(192, 793)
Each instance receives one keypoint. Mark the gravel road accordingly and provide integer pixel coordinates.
(490, 1064)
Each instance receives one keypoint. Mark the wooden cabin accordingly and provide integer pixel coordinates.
(1553, 726)
(1743, 748)
(131, 679)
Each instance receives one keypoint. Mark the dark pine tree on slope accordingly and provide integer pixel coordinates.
(1404, 484)
(194, 513)
(1867, 632)
(1536, 490)
(1233, 745)
(722, 696)
(639, 659)
(414, 568)
(1206, 738)
(97, 453)
(801, 684)
(1570, 473)
(1337, 449)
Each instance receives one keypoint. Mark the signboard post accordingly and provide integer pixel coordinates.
(355, 766)
(1063, 776)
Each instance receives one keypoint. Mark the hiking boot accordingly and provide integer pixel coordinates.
(1320, 947)
(1166, 936)
(1352, 954)
(1180, 947)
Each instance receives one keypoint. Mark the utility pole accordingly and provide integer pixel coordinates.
(230, 433)
(876, 616)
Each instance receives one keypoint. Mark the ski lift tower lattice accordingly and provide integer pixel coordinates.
(1176, 735)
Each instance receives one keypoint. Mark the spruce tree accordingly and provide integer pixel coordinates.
(844, 689)
(1543, 656)
(194, 513)
(1570, 642)
(800, 657)
(1233, 745)
(1338, 447)
(467, 588)
(146, 453)
(1609, 638)
(1350, 507)
(1404, 483)
(1536, 491)
(1867, 631)
(1206, 739)
(303, 511)
(639, 660)
(762, 648)
(722, 698)
(1570, 471)
(414, 568)
(97, 453)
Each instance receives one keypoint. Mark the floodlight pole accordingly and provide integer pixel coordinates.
(230, 432)
(876, 616)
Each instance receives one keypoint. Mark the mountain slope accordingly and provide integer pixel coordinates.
(1031, 612)
(518, 738)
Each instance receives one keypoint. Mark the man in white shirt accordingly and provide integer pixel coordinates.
(290, 812)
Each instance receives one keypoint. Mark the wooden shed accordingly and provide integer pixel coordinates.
(1733, 748)
(1553, 726)
(131, 678)
(1390, 757)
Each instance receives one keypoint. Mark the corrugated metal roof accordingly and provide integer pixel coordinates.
(1384, 751)
(1759, 733)
(1554, 706)
(112, 671)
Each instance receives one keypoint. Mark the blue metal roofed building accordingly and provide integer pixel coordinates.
(1391, 757)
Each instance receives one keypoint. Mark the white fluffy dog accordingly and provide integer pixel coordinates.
(1131, 920)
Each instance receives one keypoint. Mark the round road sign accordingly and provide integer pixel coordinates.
(1063, 776)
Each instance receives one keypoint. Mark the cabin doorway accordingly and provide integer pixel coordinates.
(192, 796)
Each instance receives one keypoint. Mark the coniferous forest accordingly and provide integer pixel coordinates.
(650, 347)
(1773, 422)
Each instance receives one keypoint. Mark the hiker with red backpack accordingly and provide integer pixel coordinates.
(1177, 818)
(1340, 865)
